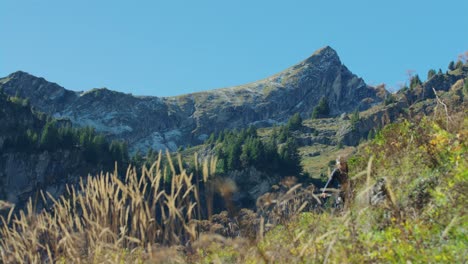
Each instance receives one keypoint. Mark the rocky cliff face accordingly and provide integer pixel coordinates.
(25, 170)
(23, 174)
(170, 122)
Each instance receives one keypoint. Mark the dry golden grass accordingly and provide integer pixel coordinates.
(155, 216)
(107, 219)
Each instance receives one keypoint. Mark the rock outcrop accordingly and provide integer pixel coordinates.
(24, 174)
(169, 122)
(409, 103)
(25, 170)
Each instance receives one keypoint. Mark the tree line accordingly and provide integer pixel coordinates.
(242, 149)
(51, 135)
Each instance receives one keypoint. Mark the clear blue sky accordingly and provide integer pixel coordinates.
(173, 47)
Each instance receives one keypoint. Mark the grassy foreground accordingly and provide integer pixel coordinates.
(410, 186)
(420, 171)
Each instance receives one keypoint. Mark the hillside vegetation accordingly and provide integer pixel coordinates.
(27, 130)
(421, 214)
(416, 212)
(409, 184)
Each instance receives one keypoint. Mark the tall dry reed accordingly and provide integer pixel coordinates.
(109, 218)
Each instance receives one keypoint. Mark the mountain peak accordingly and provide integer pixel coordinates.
(325, 50)
(22, 77)
(25, 81)
(18, 75)
(325, 55)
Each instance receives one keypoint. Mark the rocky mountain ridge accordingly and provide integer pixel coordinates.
(169, 122)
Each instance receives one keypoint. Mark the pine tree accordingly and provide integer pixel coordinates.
(315, 113)
(322, 109)
(354, 118)
(415, 81)
(66, 135)
(431, 73)
(295, 122)
(271, 159)
(451, 66)
(50, 136)
(291, 159)
(248, 156)
(283, 134)
(234, 150)
(118, 151)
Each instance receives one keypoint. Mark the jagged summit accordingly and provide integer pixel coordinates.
(325, 50)
(46, 96)
(24, 78)
(169, 122)
(19, 74)
(325, 55)
(22, 75)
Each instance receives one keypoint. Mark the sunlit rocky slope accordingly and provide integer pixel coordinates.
(169, 122)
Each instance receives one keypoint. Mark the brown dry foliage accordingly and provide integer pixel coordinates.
(109, 219)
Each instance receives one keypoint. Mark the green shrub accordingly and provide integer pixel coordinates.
(295, 122)
(354, 120)
(322, 109)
